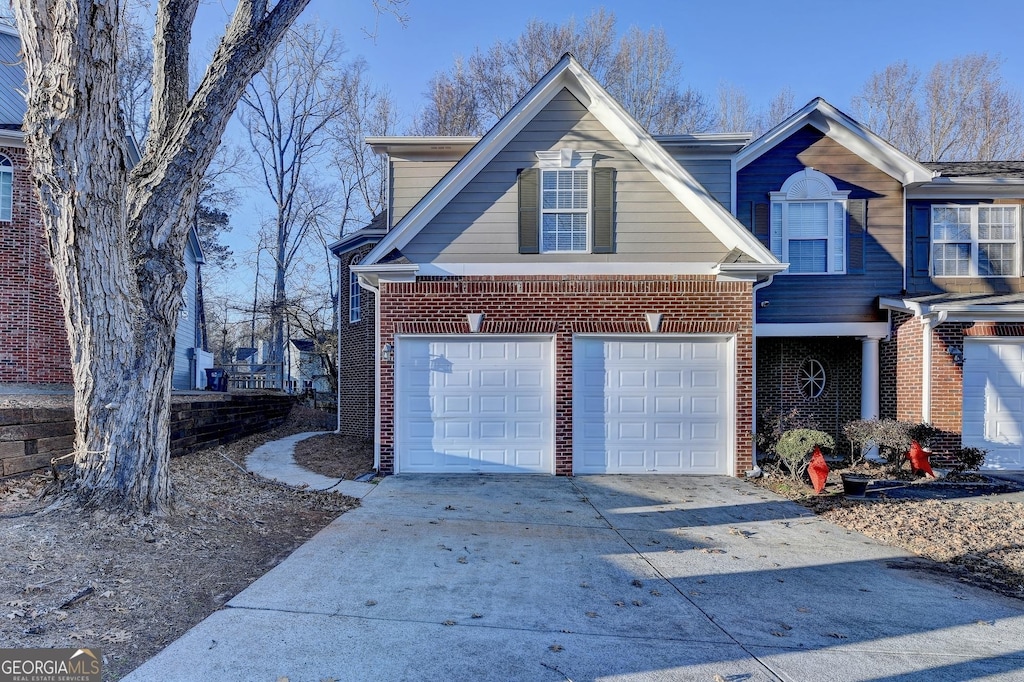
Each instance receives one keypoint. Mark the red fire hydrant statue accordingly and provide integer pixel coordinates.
(818, 469)
(919, 459)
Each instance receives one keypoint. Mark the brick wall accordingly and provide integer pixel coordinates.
(357, 356)
(566, 305)
(778, 386)
(33, 340)
(30, 437)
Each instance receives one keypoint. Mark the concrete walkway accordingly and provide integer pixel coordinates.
(597, 577)
(276, 460)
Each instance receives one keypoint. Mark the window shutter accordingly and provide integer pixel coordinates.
(920, 230)
(775, 241)
(529, 210)
(604, 204)
(761, 216)
(856, 230)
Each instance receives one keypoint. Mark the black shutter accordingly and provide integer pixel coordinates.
(920, 231)
(762, 223)
(604, 211)
(529, 210)
(745, 214)
(856, 230)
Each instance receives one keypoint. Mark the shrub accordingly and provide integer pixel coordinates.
(891, 436)
(968, 459)
(922, 432)
(796, 445)
(771, 425)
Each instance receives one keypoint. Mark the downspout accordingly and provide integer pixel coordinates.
(376, 369)
(337, 332)
(756, 470)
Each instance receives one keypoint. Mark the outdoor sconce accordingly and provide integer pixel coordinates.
(956, 354)
(387, 353)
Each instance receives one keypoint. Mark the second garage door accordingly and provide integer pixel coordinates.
(993, 400)
(470, 405)
(651, 406)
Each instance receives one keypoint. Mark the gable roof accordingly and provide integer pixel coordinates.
(569, 74)
(978, 169)
(847, 132)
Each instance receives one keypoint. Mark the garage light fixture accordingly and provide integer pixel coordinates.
(387, 353)
(956, 354)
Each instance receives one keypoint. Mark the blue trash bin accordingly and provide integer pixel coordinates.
(216, 379)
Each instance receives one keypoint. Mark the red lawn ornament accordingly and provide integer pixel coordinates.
(919, 459)
(818, 469)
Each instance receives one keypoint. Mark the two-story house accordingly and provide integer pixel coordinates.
(570, 295)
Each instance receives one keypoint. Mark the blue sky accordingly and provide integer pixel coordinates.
(816, 48)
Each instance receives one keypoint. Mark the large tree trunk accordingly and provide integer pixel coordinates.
(117, 235)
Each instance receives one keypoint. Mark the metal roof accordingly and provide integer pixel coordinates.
(12, 82)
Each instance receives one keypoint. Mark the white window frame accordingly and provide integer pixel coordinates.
(355, 293)
(562, 160)
(810, 186)
(975, 241)
(6, 189)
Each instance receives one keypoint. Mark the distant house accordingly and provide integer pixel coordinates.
(569, 295)
(306, 369)
(33, 340)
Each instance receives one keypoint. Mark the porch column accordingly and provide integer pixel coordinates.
(869, 378)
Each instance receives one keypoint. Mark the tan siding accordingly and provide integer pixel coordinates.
(410, 181)
(480, 225)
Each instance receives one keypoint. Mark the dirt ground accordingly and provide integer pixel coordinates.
(335, 455)
(977, 539)
(131, 587)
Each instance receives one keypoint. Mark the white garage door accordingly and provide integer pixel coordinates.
(474, 405)
(651, 406)
(993, 395)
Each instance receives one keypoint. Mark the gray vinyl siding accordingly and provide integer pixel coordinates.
(918, 284)
(410, 181)
(480, 224)
(830, 298)
(185, 335)
(714, 174)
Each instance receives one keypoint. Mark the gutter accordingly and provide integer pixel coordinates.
(755, 470)
(375, 290)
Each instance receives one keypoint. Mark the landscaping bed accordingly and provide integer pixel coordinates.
(973, 528)
(131, 587)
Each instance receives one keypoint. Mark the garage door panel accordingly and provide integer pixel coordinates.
(635, 400)
(480, 404)
(993, 400)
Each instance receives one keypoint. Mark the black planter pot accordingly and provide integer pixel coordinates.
(855, 485)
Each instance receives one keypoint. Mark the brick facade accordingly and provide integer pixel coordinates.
(357, 355)
(778, 387)
(563, 306)
(33, 340)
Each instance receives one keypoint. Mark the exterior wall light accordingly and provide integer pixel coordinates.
(387, 353)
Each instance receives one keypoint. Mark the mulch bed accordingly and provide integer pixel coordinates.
(335, 455)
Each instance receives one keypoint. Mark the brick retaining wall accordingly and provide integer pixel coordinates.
(30, 437)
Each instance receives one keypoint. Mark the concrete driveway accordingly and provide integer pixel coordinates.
(597, 578)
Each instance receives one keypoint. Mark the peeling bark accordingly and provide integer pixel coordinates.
(117, 234)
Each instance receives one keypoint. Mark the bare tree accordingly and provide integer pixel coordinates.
(961, 111)
(117, 234)
(887, 105)
(778, 110)
(735, 113)
(640, 69)
(287, 110)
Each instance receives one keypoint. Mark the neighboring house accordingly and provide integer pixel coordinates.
(33, 340)
(569, 295)
(306, 370)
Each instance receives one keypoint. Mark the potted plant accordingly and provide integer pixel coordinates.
(800, 450)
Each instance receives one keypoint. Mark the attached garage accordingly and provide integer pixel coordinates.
(474, 405)
(993, 400)
(643, 405)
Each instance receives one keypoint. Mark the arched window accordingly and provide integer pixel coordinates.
(811, 378)
(808, 224)
(355, 293)
(6, 188)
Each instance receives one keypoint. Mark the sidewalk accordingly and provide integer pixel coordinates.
(276, 460)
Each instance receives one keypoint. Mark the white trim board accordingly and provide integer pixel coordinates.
(874, 330)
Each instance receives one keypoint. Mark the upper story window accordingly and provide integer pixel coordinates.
(355, 293)
(566, 204)
(808, 224)
(975, 241)
(565, 210)
(6, 188)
